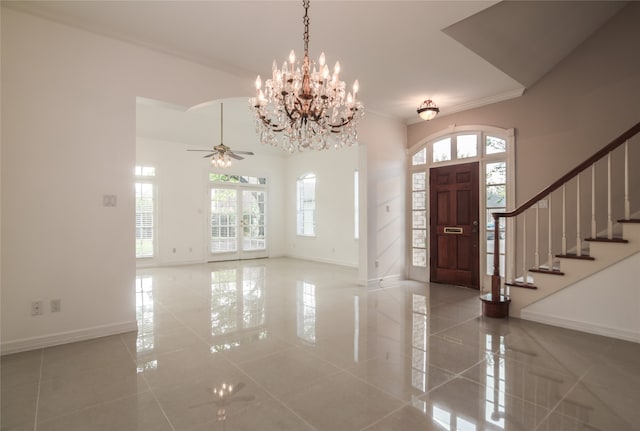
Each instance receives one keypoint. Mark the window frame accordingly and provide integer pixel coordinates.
(300, 211)
(147, 175)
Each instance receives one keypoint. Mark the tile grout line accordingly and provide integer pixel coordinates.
(552, 409)
(35, 419)
(153, 394)
(406, 404)
(268, 392)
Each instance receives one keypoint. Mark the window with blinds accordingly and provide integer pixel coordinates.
(145, 211)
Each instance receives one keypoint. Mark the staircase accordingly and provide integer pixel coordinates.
(581, 224)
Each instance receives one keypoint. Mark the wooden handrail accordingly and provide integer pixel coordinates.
(495, 279)
(572, 173)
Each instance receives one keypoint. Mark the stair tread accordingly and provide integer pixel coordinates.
(521, 284)
(631, 220)
(575, 256)
(614, 240)
(547, 271)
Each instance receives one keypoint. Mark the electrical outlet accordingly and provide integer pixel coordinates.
(37, 308)
(56, 305)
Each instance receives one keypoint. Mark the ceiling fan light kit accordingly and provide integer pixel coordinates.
(306, 104)
(221, 155)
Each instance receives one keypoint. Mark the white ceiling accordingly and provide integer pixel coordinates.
(396, 49)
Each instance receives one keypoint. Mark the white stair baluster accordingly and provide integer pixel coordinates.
(593, 201)
(525, 272)
(564, 220)
(578, 236)
(549, 236)
(537, 253)
(609, 220)
(627, 204)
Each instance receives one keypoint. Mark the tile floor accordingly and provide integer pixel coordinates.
(284, 344)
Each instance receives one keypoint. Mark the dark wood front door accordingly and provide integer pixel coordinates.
(454, 225)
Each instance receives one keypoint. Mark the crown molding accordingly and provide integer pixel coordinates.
(511, 94)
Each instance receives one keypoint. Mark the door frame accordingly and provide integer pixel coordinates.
(422, 273)
(239, 253)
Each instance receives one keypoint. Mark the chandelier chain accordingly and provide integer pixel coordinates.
(305, 21)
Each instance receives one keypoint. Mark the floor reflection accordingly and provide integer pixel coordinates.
(306, 311)
(495, 381)
(283, 344)
(420, 341)
(237, 299)
(145, 313)
(224, 395)
(238, 309)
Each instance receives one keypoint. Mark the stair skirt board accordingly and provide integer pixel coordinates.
(622, 334)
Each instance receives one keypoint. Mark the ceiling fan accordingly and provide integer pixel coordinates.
(221, 154)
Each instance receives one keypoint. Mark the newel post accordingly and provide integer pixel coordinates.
(494, 304)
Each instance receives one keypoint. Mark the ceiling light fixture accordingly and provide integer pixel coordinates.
(220, 160)
(428, 110)
(306, 103)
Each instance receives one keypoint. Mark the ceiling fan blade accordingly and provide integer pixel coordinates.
(248, 153)
(208, 155)
(198, 150)
(234, 155)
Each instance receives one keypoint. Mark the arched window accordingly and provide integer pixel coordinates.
(493, 150)
(306, 205)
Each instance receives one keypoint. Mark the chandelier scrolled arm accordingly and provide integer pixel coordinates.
(306, 105)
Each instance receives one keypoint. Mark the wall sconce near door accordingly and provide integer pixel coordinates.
(428, 110)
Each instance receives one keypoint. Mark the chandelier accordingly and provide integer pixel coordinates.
(305, 105)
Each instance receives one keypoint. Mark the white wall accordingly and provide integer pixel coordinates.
(68, 137)
(597, 304)
(383, 256)
(380, 159)
(334, 241)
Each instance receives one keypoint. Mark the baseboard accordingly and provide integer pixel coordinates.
(386, 281)
(33, 343)
(323, 260)
(591, 328)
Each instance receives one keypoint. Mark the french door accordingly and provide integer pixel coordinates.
(237, 223)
